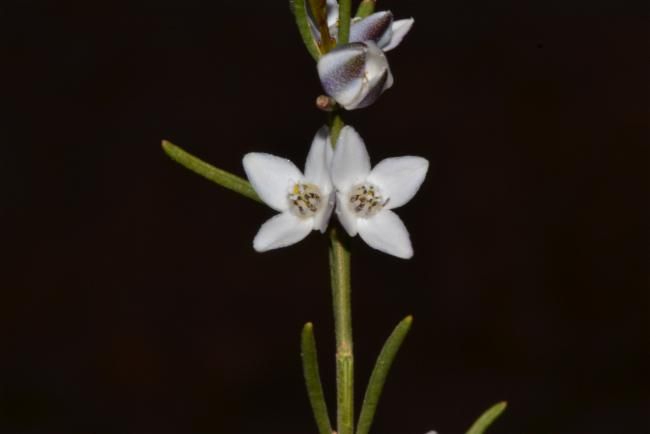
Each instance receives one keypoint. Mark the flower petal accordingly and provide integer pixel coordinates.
(399, 178)
(376, 62)
(375, 91)
(399, 30)
(317, 167)
(345, 215)
(332, 12)
(376, 27)
(351, 163)
(386, 233)
(322, 217)
(342, 72)
(272, 177)
(282, 230)
(378, 75)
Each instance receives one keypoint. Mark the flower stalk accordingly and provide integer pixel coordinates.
(345, 10)
(339, 256)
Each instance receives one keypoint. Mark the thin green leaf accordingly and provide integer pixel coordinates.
(218, 176)
(487, 418)
(379, 373)
(366, 7)
(312, 379)
(302, 22)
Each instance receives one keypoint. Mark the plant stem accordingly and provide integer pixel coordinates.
(345, 9)
(339, 255)
(336, 124)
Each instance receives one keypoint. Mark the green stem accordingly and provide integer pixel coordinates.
(336, 124)
(345, 7)
(339, 255)
(218, 176)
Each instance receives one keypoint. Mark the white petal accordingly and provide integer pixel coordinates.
(376, 27)
(373, 91)
(282, 230)
(317, 167)
(386, 233)
(400, 29)
(329, 153)
(342, 73)
(399, 178)
(376, 62)
(272, 177)
(378, 75)
(332, 12)
(351, 163)
(345, 215)
(322, 217)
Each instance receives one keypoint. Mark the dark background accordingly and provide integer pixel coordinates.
(132, 300)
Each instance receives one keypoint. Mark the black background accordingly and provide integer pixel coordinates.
(132, 300)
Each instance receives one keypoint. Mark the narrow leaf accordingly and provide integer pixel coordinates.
(312, 379)
(366, 7)
(302, 21)
(218, 176)
(379, 373)
(487, 418)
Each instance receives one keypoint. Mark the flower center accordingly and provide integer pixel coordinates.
(304, 199)
(366, 200)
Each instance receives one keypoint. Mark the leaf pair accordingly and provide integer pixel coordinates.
(375, 385)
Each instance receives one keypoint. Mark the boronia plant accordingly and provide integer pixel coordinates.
(338, 180)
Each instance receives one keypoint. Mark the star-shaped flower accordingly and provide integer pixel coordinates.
(305, 202)
(365, 197)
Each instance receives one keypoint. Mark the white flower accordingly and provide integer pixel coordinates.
(355, 74)
(305, 202)
(366, 197)
(378, 27)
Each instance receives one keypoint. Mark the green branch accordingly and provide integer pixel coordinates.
(345, 7)
(341, 292)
